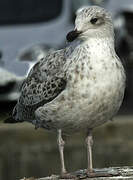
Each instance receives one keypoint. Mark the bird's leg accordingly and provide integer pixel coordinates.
(61, 144)
(89, 142)
(90, 171)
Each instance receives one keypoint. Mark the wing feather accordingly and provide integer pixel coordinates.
(45, 81)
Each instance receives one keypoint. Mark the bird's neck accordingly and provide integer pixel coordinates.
(103, 35)
(103, 46)
(108, 40)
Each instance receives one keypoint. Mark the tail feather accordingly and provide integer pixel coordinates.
(12, 117)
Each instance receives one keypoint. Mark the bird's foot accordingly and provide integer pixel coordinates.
(101, 173)
(68, 176)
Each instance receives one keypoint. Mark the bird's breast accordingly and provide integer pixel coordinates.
(95, 89)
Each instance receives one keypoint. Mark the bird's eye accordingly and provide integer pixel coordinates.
(93, 20)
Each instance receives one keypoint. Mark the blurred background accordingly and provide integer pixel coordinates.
(28, 31)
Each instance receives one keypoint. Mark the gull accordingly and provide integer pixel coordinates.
(76, 88)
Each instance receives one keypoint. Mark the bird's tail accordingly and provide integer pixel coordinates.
(12, 117)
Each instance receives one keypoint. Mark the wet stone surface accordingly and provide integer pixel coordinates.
(116, 173)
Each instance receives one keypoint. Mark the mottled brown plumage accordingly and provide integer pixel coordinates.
(45, 81)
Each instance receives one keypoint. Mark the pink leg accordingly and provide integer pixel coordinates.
(90, 171)
(89, 142)
(61, 144)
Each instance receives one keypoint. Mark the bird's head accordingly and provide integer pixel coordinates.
(91, 21)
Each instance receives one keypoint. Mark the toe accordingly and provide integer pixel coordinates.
(68, 176)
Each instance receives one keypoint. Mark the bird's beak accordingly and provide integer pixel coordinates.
(72, 35)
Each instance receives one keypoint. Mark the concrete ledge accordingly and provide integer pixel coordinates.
(116, 173)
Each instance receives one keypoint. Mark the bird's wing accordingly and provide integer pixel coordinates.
(45, 81)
